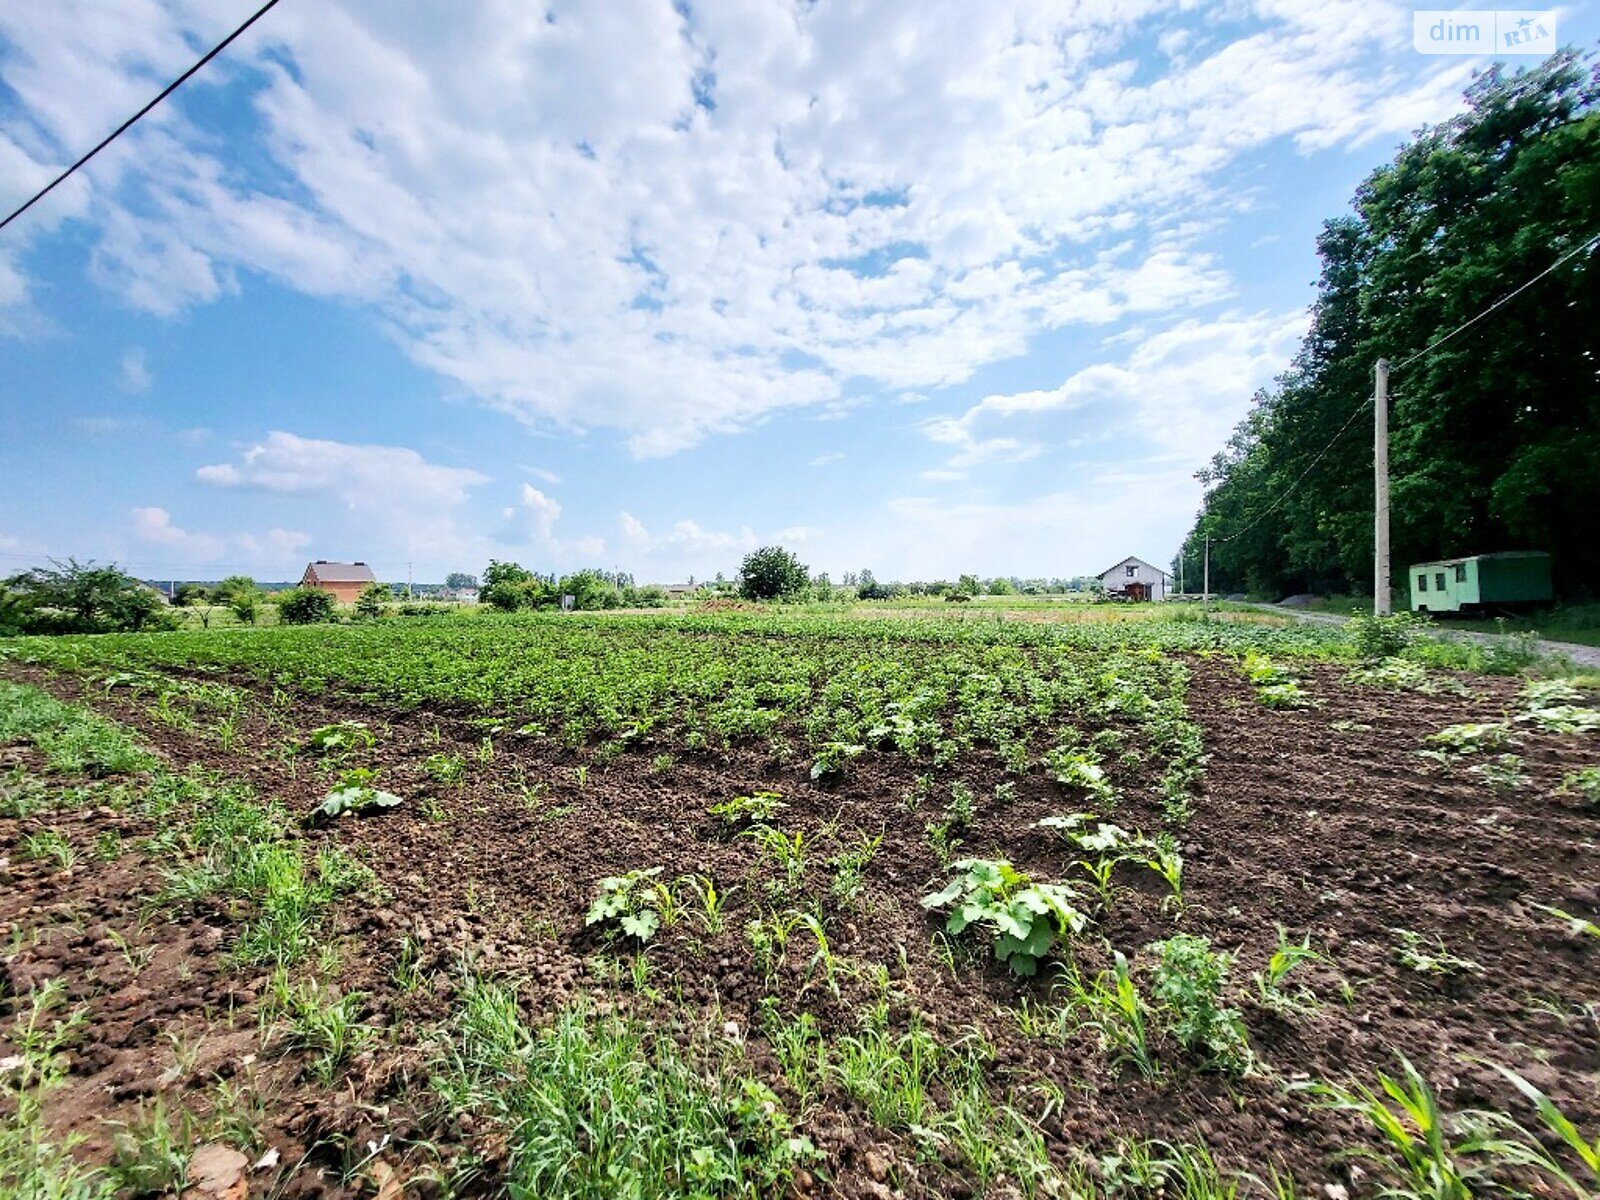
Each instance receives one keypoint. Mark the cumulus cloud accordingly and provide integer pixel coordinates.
(391, 493)
(154, 526)
(546, 511)
(674, 221)
(1177, 389)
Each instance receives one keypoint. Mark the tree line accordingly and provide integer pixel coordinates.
(1495, 432)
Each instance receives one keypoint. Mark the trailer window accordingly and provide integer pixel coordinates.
(1422, 583)
(1461, 572)
(1438, 581)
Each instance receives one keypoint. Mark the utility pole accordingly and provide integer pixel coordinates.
(1206, 594)
(1380, 469)
(408, 582)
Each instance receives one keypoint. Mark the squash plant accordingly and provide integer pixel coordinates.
(1026, 919)
(631, 901)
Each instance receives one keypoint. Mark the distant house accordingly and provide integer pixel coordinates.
(344, 580)
(1134, 579)
(679, 590)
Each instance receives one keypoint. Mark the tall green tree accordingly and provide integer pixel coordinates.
(1495, 429)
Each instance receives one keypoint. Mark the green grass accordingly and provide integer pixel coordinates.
(74, 740)
(597, 1106)
(31, 1165)
(1577, 623)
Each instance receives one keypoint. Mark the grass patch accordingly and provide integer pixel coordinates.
(595, 1106)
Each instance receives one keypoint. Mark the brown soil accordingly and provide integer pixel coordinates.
(1323, 821)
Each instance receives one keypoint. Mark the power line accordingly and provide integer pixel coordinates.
(1570, 254)
(123, 128)
(1285, 494)
(1434, 345)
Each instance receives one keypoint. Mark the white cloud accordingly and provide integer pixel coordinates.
(546, 511)
(539, 206)
(633, 529)
(275, 548)
(408, 505)
(134, 373)
(823, 460)
(368, 477)
(1178, 390)
(540, 473)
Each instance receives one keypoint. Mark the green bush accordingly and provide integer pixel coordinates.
(1377, 637)
(305, 606)
(79, 599)
(772, 573)
(372, 599)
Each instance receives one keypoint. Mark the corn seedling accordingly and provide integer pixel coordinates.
(850, 867)
(1428, 1156)
(1430, 956)
(1270, 989)
(49, 844)
(787, 852)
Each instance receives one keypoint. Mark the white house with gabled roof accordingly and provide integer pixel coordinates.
(1134, 579)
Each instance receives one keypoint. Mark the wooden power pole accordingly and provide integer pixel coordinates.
(1380, 470)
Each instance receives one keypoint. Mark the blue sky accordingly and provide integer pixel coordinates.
(914, 287)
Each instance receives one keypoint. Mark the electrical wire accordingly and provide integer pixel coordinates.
(1432, 346)
(1570, 254)
(126, 125)
(1288, 491)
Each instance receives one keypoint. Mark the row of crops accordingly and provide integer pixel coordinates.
(929, 690)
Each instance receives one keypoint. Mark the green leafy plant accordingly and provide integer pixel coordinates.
(831, 757)
(631, 902)
(1026, 920)
(758, 808)
(342, 737)
(1472, 737)
(1584, 782)
(355, 794)
(1430, 956)
(1186, 984)
(447, 769)
(1503, 772)
(1081, 768)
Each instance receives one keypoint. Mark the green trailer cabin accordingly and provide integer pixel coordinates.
(1484, 581)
